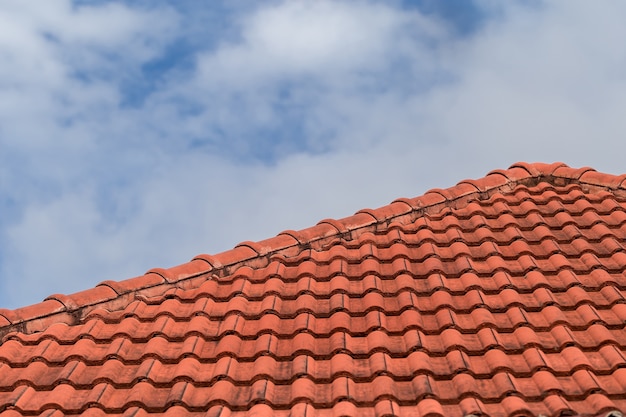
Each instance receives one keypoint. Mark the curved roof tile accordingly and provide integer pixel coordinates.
(501, 296)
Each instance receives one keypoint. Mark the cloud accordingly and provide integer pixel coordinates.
(62, 68)
(64, 63)
(288, 82)
(284, 114)
(537, 85)
(321, 39)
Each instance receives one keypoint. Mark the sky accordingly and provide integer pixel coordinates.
(137, 134)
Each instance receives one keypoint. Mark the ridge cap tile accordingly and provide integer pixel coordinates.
(594, 177)
(318, 232)
(179, 272)
(430, 305)
(427, 200)
(210, 259)
(236, 255)
(295, 235)
(540, 168)
(518, 173)
(340, 227)
(280, 242)
(91, 296)
(571, 173)
(134, 284)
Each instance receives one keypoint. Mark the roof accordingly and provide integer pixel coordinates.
(502, 296)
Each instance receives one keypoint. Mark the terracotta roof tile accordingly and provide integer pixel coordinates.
(502, 296)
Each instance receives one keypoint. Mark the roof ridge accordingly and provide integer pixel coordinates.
(113, 295)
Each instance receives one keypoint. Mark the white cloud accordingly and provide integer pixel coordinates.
(60, 61)
(540, 85)
(317, 65)
(192, 205)
(322, 38)
(356, 102)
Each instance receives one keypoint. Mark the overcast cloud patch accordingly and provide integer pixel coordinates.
(134, 136)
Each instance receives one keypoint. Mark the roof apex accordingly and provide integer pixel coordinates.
(113, 295)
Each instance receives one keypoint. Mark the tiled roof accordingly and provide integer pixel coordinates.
(503, 296)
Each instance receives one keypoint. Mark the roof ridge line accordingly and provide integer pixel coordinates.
(116, 295)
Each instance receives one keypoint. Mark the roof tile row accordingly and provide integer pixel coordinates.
(503, 296)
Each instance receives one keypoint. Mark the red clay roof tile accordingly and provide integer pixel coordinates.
(502, 296)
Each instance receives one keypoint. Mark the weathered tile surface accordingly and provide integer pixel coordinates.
(503, 296)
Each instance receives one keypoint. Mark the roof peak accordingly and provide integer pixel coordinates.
(113, 295)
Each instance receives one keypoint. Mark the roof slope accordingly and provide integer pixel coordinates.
(503, 296)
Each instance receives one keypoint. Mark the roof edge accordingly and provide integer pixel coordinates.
(116, 295)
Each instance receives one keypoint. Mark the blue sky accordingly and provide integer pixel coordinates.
(137, 134)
